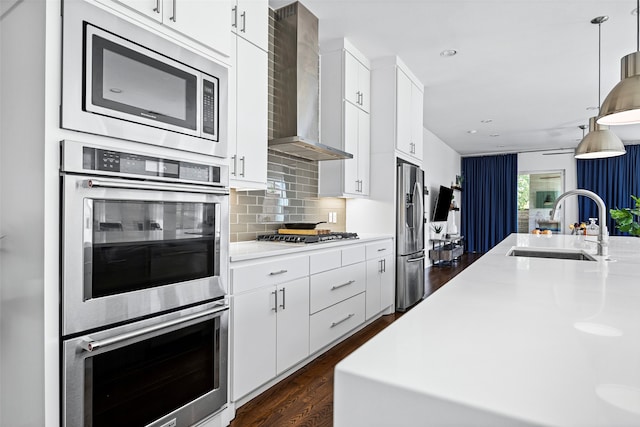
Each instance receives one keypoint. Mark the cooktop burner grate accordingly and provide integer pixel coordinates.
(297, 238)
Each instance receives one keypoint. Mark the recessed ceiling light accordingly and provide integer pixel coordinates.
(500, 146)
(494, 134)
(448, 52)
(486, 121)
(472, 131)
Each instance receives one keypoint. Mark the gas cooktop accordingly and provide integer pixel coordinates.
(301, 238)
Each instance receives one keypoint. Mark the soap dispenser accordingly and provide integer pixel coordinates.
(593, 229)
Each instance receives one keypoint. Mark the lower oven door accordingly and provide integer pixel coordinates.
(135, 248)
(170, 370)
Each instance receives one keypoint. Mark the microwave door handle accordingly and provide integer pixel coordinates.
(143, 185)
(90, 345)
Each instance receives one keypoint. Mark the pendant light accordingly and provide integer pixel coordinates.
(622, 105)
(600, 141)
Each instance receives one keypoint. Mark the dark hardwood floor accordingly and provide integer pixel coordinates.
(437, 276)
(305, 399)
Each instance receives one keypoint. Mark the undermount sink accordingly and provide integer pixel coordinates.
(550, 253)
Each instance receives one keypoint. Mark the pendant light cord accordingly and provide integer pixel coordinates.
(599, 60)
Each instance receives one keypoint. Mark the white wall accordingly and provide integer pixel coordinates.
(22, 215)
(29, 213)
(546, 161)
(441, 165)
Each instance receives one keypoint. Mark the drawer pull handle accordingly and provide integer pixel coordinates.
(342, 320)
(383, 249)
(334, 287)
(275, 273)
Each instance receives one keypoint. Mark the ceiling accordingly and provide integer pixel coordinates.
(531, 67)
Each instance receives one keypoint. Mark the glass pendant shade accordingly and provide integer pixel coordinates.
(622, 105)
(599, 142)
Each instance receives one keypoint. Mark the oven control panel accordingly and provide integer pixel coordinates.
(135, 164)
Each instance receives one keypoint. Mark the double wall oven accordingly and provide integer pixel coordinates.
(144, 284)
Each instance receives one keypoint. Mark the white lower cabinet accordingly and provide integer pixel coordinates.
(271, 333)
(292, 332)
(284, 308)
(333, 286)
(331, 323)
(380, 277)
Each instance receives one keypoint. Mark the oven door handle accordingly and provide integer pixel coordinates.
(145, 185)
(90, 345)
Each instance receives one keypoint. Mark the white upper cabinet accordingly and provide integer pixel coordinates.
(409, 108)
(150, 8)
(205, 22)
(248, 109)
(250, 20)
(202, 21)
(345, 122)
(357, 86)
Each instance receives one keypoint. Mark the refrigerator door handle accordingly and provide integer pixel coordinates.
(418, 213)
(416, 259)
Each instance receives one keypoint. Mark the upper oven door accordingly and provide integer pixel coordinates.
(120, 80)
(134, 248)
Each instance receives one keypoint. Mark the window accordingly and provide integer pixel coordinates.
(536, 194)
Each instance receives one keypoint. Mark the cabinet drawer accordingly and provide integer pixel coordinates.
(330, 324)
(333, 286)
(324, 261)
(379, 249)
(268, 273)
(353, 254)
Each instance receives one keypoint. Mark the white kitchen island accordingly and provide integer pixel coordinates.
(509, 341)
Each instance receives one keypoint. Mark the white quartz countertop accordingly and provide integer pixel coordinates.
(509, 341)
(241, 251)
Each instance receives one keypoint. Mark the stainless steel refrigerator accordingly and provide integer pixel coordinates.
(409, 236)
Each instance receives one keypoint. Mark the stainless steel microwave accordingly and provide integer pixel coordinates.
(123, 81)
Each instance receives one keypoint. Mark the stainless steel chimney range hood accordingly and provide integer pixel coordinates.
(295, 93)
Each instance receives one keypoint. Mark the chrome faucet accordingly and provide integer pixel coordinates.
(603, 234)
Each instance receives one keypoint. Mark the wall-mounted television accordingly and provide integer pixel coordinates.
(443, 202)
